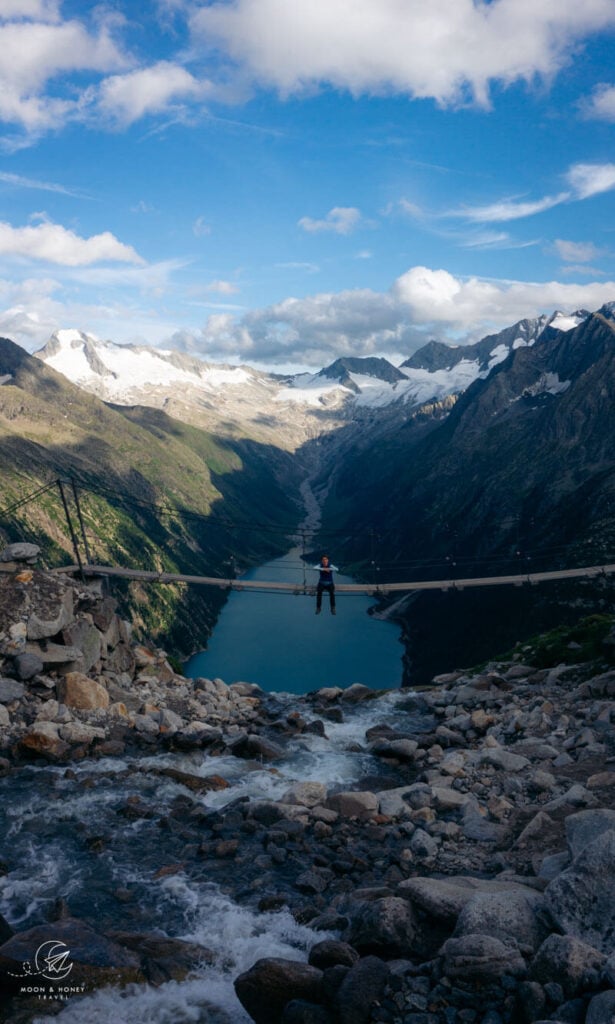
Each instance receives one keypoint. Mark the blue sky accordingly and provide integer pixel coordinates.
(281, 183)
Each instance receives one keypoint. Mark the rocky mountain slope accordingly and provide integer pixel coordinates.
(134, 466)
(519, 474)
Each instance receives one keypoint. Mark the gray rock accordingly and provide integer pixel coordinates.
(392, 802)
(330, 952)
(353, 804)
(482, 957)
(299, 1011)
(356, 693)
(306, 794)
(10, 690)
(28, 665)
(582, 899)
(584, 827)
(85, 636)
(384, 925)
(445, 898)
(402, 750)
(576, 965)
(360, 989)
(51, 607)
(255, 746)
(20, 552)
(552, 865)
(505, 915)
(505, 759)
(423, 845)
(266, 988)
(477, 827)
(601, 1009)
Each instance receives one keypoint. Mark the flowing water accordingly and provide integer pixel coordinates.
(277, 641)
(66, 835)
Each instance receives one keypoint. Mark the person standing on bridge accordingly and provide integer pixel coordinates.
(325, 582)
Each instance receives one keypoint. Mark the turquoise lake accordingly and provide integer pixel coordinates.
(278, 642)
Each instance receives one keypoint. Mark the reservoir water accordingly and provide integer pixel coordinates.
(278, 642)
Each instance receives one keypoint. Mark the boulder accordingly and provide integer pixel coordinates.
(331, 952)
(356, 693)
(401, 750)
(385, 925)
(79, 691)
(44, 739)
(87, 638)
(576, 965)
(299, 1011)
(353, 804)
(79, 733)
(581, 899)
(584, 827)
(266, 988)
(306, 794)
(20, 552)
(163, 959)
(96, 960)
(257, 747)
(505, 915)
(601, 1009)
(360, 989)
(481, 957)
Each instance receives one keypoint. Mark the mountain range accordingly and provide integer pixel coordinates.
(496, 456)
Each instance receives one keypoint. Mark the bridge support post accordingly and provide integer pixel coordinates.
(71, 529)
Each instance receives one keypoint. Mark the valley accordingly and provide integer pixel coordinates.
(478, 460)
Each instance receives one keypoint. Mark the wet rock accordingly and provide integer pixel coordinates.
(357, 693)
(481, 957)
(79, 691)
(298, 1011)
(306, 794)
(331, 952)
(196, 783)
(96, 960)
(6, 932)
(255, 746)
(576, 965)
(531, 1001)
(360, 989)
(582, 899)
(271, 983)
(163, 959)
(386, 926)
(401, 750)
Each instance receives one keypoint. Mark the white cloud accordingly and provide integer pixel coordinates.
(32, 54)
(449, 50)
(317, 329)
(129, 97)
(436, 297)
(33, 10)
(18, 181)
(222, 287)
(341, 220)
(601, 105)
(508, 209)
(54, 243)
(576, 252)
(591, 179)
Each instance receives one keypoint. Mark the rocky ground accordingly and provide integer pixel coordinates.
(472, 879)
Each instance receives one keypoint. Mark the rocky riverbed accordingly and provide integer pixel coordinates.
(213, 853)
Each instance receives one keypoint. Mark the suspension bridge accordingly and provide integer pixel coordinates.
(372, 589)
(86, 568)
